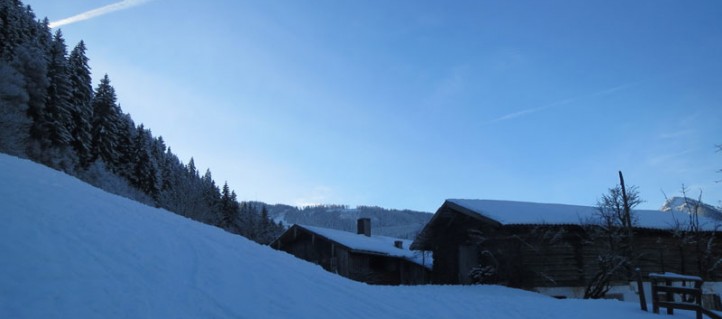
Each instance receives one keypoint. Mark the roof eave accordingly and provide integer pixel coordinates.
(421, 241)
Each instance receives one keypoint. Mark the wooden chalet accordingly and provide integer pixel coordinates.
(542, 246)
(361, 257)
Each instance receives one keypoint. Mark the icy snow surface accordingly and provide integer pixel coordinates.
(676, 276)
(72, 251)
(375, 244)
(511, 213)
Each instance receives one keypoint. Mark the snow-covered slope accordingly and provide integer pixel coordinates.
(69, 250)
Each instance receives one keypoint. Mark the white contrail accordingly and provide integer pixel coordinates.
(125, 4)
(528, 111)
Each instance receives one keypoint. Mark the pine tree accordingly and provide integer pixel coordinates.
(106, 125)
(158, 152)
(171, 169)
(265, 220)
(228, 208)
(14, 122)
(81, 99)
(36, 55)
(127, 133)
(211, 198)
(145, 168)
(177, 193)
(265, 232)
(58, 105)
(188, 193)
(13, 18)
(247, 225)
(192, 171)
(21, 65)
(33, 65)
(269, 229)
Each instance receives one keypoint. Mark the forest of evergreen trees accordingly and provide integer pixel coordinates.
(384, 222)
(50, 114)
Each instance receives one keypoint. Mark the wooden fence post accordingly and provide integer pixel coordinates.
(640, 289)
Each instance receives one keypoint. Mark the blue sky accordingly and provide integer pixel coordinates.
(403, 104)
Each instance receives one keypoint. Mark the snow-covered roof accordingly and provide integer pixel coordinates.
(519, 213)
(375, 244)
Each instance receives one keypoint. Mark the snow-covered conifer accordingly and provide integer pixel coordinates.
(14, 123)
(58, 105)
(106, 124)
(81, 99)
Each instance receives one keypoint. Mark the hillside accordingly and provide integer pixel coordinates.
(385, 222)
(72, 251)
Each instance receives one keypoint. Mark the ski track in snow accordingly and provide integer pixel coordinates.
(72, 251)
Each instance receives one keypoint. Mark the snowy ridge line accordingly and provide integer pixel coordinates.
(387, 222)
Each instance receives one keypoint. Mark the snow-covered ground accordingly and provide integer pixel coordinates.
(69, 250)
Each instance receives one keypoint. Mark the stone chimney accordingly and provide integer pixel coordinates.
(399, 244)
(364, 226)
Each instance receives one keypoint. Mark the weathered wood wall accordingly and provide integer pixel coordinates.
(527, 256)
(414, 274)
(451, 231)
(385, 270)
(315, 249)
(535, 256)
(662, 251)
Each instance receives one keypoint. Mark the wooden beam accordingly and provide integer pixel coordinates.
(640, 289)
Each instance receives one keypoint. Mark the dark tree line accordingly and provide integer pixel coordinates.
(50, 113)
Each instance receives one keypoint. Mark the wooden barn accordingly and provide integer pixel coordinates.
(361, 257)
(547, 246)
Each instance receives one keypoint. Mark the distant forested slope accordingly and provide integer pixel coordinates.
(387, 222)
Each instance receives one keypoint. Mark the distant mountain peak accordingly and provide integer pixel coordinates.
(687, 205)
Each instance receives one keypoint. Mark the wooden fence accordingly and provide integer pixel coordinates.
(666, 294)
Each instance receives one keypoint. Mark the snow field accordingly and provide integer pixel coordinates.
(73, 251)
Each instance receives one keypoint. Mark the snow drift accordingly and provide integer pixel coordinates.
(73, 251)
